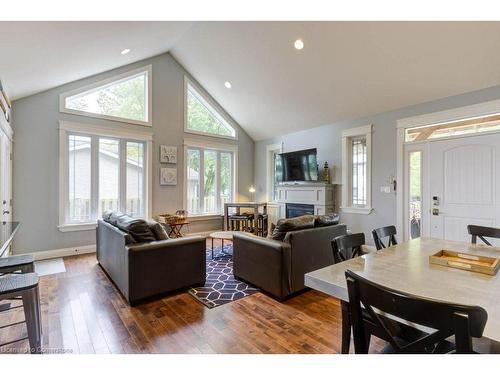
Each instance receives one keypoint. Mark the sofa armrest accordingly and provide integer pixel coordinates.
(263, 262)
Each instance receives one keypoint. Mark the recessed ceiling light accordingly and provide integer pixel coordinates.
(228, 84)
(125, 51)
(298, 44)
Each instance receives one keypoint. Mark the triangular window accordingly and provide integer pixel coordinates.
(122, 98)
(203, 117)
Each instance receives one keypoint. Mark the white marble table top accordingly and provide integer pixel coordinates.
(406, 267)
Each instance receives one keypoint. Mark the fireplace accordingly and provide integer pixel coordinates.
(295, 209)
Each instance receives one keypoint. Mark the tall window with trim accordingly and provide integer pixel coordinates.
(202, 115)
(210, 180)
(101, 173)
(356, 170)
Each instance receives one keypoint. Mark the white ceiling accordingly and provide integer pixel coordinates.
(36, 56)
(345, 71)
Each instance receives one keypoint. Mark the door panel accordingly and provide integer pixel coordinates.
(464, 180)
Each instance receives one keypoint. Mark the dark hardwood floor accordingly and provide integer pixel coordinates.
(83, 312)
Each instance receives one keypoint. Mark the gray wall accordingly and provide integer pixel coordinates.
(327, 139)
(36, 156)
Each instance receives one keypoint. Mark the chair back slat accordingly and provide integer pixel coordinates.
(347, 246)
(447, 319)
(479, 231)
(380, 233)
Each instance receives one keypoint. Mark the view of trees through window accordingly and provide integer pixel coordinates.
(124, 99)
(203, 118)
(217, 174)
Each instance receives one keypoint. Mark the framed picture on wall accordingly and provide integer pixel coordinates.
(168, 176)
(168, 154)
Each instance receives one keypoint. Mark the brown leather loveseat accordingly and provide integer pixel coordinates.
(278, 267)
(143, 262)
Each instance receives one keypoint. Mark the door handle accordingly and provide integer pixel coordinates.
(435, 211)
(5, 212)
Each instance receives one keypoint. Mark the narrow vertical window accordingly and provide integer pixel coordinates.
(193, 185)
(358, 147)
(135, 179)
(109, 175)
(226, 177)
(79, 179)
(415, 193)
(210, 181)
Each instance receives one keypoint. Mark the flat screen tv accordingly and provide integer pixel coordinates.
(297, 166)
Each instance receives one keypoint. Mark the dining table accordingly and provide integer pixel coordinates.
(406, 267)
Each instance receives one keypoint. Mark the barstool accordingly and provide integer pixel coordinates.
(262, 225)
(24, 287)
(19, 263)
(241, 222)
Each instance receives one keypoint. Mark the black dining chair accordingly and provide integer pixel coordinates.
(478, 231)
(444, 320)
(346, 247)
(381, 233)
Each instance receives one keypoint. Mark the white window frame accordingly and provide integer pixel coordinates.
(347, 136)
(149, 97)
(207, 101)
(209, 145)
(66, 128)
(270, 172)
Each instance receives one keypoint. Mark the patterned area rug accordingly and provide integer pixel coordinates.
(221, 287)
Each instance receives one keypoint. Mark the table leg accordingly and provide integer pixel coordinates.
(255, 217)
(212, 248)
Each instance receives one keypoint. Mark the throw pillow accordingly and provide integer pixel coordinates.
(283, 226)
(326, 220)
(158, 231)
(137, 228)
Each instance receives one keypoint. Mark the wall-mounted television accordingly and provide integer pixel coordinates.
(297, 166)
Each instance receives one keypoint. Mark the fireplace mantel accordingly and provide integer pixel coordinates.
(321, 195)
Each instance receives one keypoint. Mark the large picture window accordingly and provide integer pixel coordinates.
(202, 115)
(101, 172)
(124, 98)
(210, 179)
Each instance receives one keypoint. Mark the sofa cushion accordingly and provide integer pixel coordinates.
(158, 230)
(137, 228)
(326, 220)
(283, 226)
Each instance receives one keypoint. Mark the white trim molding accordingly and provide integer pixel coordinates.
(346, 206)
(59, 253)
(207, 100)
(117, 78)
(271, 149)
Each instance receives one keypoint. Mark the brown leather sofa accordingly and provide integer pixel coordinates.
(278, 267)
(145, 269)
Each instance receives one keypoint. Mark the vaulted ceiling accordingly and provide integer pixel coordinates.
(346, 69)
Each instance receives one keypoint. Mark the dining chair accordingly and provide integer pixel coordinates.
(442, 318)
(380, 233)
(346, 247)
(478, 231)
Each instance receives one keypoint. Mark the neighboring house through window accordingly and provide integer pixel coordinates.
(102, 170)
(125, 98)
(356, 170)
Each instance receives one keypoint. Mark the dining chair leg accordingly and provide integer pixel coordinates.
(346, 327)
(31, 303)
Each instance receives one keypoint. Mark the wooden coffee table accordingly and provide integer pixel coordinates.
(223, 236)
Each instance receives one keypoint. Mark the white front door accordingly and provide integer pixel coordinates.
(463, 185)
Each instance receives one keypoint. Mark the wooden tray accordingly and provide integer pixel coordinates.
(468, 262)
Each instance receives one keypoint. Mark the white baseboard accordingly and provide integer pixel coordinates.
(58, 253)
